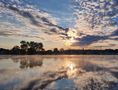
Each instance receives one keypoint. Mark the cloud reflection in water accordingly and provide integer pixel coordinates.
(45, 70)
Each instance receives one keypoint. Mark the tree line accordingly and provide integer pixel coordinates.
(29, 48)
(33, 48)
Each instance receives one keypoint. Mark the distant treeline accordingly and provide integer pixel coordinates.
(33, 48)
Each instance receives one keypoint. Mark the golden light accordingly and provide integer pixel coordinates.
(72, 33)
(69, 42)
(71, 69)
(71, 66)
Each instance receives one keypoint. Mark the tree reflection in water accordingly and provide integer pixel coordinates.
(28, 62)
(83, 72)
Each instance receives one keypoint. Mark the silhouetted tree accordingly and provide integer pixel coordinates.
(35, 47)
(55, 51)
(15, 50)
(4, 51)
(24, 47)
(61, 51)
(49, 52)
(31, 49)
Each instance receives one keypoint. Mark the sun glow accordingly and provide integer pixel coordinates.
(69, 42)
(71, 69)
(72, 34)
(71, 66)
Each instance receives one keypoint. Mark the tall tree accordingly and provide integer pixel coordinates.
(24, 47)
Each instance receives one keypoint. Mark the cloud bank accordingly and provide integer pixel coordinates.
(21, 19)
(97, 20)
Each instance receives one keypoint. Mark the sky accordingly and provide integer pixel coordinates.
(90, 24)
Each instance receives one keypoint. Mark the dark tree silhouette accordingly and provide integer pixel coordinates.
(61, 51)
(15, 50)
(24, 47)
(55, 51)
(49, 52)
(34, 47)
(37, 48)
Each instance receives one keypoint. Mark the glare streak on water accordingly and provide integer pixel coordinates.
(62, 72)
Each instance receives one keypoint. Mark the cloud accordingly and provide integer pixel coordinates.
(9, 30)
(108, 44)
(30, 22)
(87, 40)
(96, 21)
(115, 33)
(91, 39)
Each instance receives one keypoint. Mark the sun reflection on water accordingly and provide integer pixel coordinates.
(71, 69)
(71, 66)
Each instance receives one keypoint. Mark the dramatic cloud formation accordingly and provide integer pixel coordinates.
(96, 20)
(25, 20)
(92, 22)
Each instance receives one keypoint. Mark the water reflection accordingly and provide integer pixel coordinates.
(76, 67)
(28, 62)
(71, 69)
(42, 72)
(72, 66)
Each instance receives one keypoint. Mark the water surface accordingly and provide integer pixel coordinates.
(63, 72)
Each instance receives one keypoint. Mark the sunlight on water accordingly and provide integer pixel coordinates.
(59, 72)
(71, 66)
(71, 69)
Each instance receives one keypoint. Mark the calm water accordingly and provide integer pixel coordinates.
(85, 72)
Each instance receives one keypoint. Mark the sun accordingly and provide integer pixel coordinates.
(72, 34)
(69, 42)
